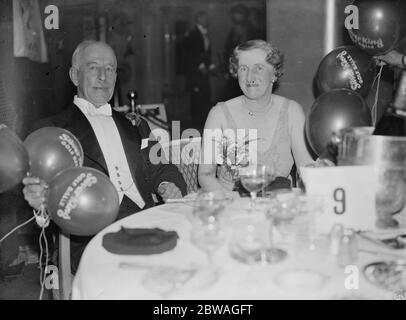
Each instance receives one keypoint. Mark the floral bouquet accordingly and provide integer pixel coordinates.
(233, 154)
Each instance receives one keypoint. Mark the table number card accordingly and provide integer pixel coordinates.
(347, 193)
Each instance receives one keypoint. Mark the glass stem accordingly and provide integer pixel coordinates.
(210, 258)
(253, 199)
(271, 232)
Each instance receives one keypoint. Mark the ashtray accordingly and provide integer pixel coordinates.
(389, 275)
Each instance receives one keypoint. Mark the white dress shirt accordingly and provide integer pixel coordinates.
(111, 146)
(204, 33)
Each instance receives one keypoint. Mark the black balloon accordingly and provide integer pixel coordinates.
(379, 26)
(333, 111)
(13, 159)
(82, 201)
(51, 150)
(346, 67)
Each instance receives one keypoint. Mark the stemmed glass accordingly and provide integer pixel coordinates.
(207, 233)
(208, 237)
(209, 204)
(284, 207)
(255, 178)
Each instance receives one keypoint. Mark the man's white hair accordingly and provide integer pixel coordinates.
(77, 54)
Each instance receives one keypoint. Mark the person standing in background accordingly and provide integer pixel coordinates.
(198, 69)
(241, 31)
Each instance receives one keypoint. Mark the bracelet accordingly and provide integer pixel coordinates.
(403, 61)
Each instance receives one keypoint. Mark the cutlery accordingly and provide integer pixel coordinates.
(137, 265)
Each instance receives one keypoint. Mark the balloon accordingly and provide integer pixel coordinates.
(51, 150)
(82, 201)
(379, 26)
(333, 111)
(13, 159)
(346, 67)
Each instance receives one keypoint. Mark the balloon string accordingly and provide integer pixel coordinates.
(43, 237)
(376, 77)
(16, 228)
(41, 216)
(374, 109)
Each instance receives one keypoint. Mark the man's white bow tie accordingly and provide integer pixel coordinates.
(104, 110)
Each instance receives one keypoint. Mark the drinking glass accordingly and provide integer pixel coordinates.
(247, 244)
(248, 241)
(207, 233)
(272, 254)
(255, 178)
(209, 204)
(208, 236)
(283, 213)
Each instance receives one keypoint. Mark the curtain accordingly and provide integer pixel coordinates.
(29, 38)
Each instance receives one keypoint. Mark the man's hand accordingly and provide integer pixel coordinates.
(168, 190)
(393, 58)
(34, 191)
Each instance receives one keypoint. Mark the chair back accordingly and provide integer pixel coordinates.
(185, 154)
(156, 110)
(64, 269)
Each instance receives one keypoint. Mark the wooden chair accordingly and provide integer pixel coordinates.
(158, 110)
(185, 154)
(64, 269)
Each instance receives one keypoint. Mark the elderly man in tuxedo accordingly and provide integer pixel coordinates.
(110, 142)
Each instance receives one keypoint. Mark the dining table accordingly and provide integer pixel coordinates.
(308, 271)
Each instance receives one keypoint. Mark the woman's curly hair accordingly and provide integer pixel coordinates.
(273, 56)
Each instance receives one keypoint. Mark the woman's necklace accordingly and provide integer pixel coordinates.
(257, 112)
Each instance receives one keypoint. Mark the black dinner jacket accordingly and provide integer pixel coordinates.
(196, 53)
(146, 175)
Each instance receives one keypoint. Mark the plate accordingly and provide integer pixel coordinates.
(389, 275)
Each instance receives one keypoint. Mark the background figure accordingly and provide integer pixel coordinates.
(9, 264)
(241, 31)
(198, 69)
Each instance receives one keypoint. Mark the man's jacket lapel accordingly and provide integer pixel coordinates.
(81, 128)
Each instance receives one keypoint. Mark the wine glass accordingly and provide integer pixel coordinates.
(247, 243)
(208, 236)
(271, 254)
(209, 204)
(207, 233)
(284, 209)
(254, 178)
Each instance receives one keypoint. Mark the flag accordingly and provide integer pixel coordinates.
(29, 38)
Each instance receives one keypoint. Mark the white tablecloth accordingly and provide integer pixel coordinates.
(100, 277)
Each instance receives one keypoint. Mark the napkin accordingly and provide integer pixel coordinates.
(140, 241)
